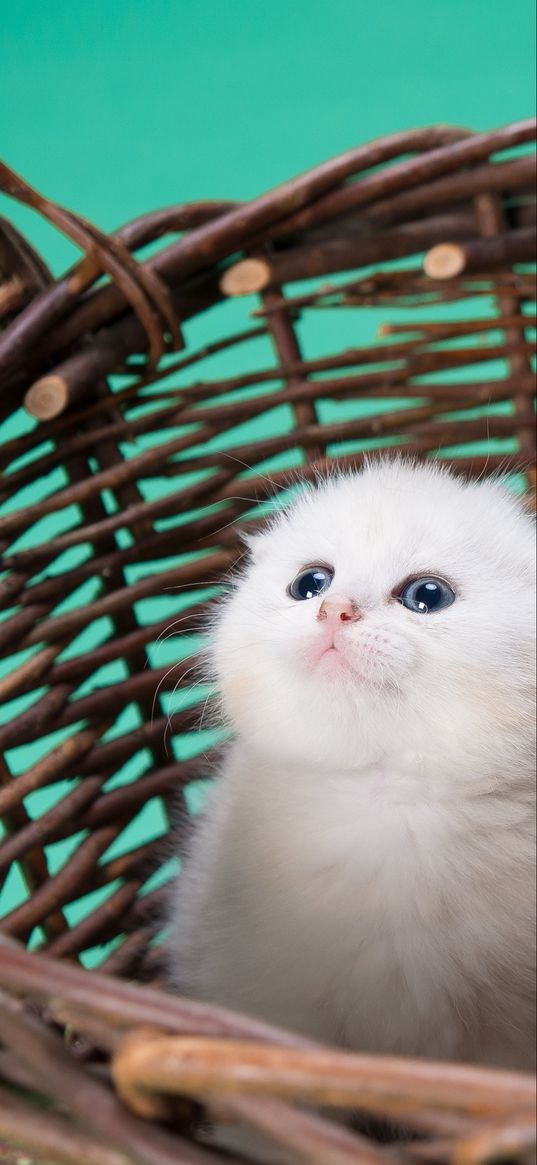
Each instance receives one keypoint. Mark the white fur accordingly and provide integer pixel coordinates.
(365, 870)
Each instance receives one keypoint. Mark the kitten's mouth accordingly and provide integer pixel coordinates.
(332, 652)
(337, 656)
(336, 641)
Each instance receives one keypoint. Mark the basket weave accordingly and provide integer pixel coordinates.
(129, 484)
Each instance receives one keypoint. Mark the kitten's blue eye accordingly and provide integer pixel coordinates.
(310, 582)
(427, 594)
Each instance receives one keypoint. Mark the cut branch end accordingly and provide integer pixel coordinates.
(245, 277)
(444, 261)
(47, 398)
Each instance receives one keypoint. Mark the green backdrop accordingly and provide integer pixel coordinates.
(116, 107)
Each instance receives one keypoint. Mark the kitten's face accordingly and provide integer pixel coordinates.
(389, 609)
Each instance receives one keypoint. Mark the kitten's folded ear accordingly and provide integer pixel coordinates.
(251, 540)
(257, 540)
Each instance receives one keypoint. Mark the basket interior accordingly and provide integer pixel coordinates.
(120, 518)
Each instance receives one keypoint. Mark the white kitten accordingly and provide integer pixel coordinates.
(365, 871)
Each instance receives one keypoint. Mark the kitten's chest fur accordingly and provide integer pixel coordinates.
(386, 906)
(384, 831)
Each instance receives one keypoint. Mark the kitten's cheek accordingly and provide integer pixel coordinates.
(235, 689)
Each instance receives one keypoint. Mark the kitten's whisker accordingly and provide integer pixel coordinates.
(165, 677)
(175, 635)
(156, 693)
(204, 709)
(205, 583)
(227, 525)
(232, 457)
(191, 688)
(171, 712)
(182, 619)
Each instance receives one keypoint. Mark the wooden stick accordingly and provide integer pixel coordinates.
(60, 1076)
(213, 241)
(12, 295)
(404, 175)
(245, 277)
(126, 1005)
(447, 260)
(49, 309)
(412, 294)
(153, 1063)
(329, 256)
(81, 372)
(53, 767)
(34, 864)
(141, 286)
(502, 176)
(49, 1136)
(208, 243)
(48, 397)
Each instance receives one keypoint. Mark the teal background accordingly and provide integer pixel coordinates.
(116, 107)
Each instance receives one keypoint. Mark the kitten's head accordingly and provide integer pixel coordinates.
(387, 610)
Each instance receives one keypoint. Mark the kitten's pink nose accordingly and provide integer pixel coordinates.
(338, 610)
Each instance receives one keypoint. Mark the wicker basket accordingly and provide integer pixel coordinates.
(128, 470)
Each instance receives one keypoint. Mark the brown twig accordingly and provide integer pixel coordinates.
(447, 260)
